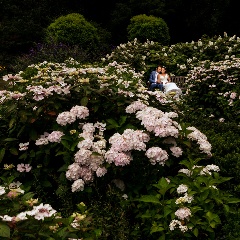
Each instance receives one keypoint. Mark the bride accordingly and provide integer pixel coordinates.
(168, 86)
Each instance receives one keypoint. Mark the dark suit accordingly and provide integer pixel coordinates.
(152, 77)
(153, 83)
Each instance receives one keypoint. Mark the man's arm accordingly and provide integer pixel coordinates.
(152, 77)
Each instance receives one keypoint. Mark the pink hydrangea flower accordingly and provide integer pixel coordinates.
(24, 167)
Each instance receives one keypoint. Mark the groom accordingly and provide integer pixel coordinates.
(153, 79)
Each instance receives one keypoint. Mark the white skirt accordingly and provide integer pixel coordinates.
(172, 87)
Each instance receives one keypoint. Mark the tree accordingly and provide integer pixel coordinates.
(145, 27)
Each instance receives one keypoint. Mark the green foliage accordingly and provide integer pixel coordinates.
(179, 58)
(35, 97)
(73, 29)
(51, 53)
(23, 217)
(214, 88)
(151, 28)
(197, 198)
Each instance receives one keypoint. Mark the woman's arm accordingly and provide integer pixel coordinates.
(169, 78)
(158, 79)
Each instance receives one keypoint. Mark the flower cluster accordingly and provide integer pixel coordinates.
(54, 136)
(204, 170)
(23, 146)
(90, 156)
(38, 212)
(201, 139)
(176, 223)
(79, 112)
(122, 145)
(183, 213)
(24, 167)
(158, 122)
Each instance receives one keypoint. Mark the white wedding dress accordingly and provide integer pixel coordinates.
(169, 87)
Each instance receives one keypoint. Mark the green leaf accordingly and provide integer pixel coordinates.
(163, 182)
(84, 101)
(95, 107)
(146, 215)
(187, 143)
(204, 195)
(66, 137)
(46, 184)
(150, 199)
(113, 122)
(234, 200)
(212, 224)
(218, 201)
(21, 131)
(162, 237)
(27, 196)
(13, 151)
(23, 156)
(167, 211)
(65, 144)
(98, 232)
(73, 146)
(195, 232)
(60, 153)
(4, 231)
(39, 110)
(33, 134)
(156, 229)
(11, 122)
(122, 120)
(186, 163)
(63, 168)
(162, 185)
(226, 207)
(10, 139)
(2, 153)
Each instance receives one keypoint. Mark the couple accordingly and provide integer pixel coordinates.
(161, 80)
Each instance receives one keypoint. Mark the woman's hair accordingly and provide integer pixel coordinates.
(164, 68)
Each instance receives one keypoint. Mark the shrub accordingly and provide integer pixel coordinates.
(23, 216)
(151, 28)
(73, 29)
(179, 58)
(83, 129)
(213, 88)
(52, 52)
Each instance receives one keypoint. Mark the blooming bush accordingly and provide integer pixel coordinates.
(187, 210)
(75, 132)
(179, 58)
(214, 87)
(22, 216)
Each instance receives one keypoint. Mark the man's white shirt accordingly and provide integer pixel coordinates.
(156, 74)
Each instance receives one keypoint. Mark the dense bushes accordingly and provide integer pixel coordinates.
(213, 88)
(52, 52)
(178, 58)
(73, 29)
(84, 133)
(101, 121)
(151, 28)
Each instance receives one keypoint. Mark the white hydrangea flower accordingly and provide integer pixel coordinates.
(182, 188)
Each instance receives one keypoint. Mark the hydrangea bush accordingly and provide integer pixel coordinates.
(76, 132)
(23, 216)
(179, 58)
(214, 87)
